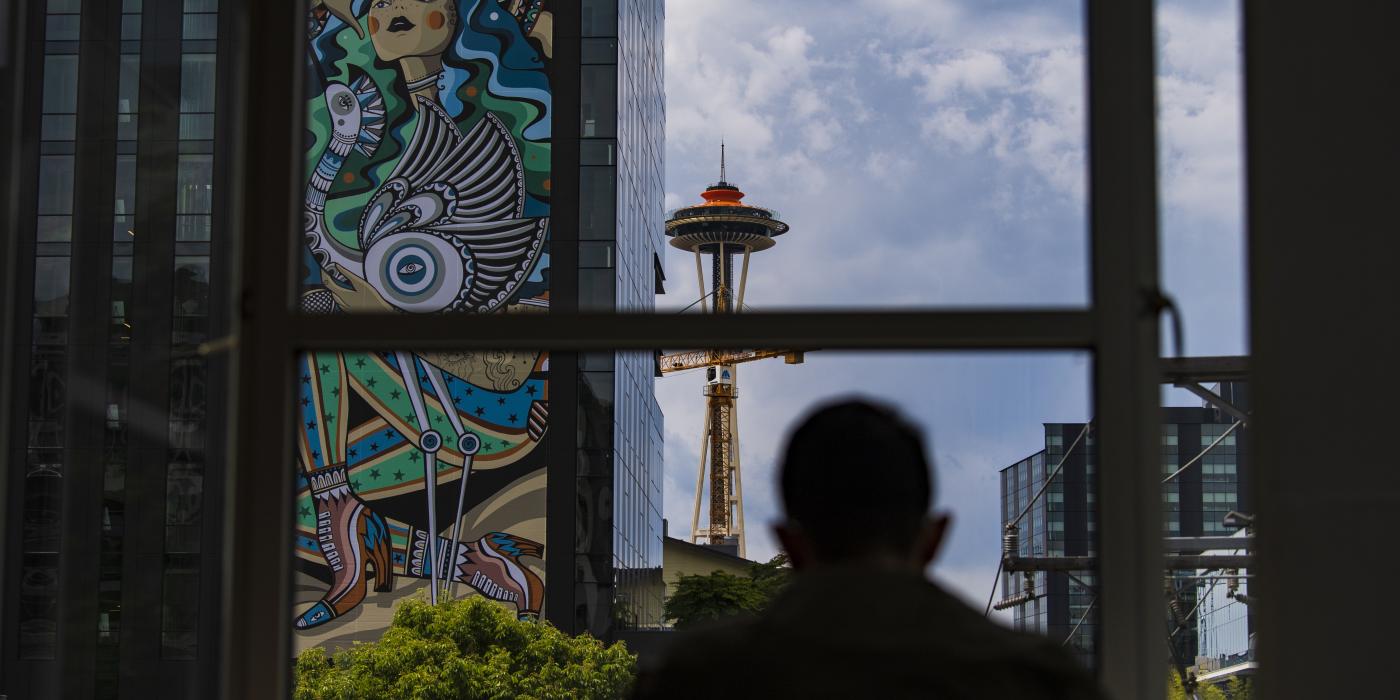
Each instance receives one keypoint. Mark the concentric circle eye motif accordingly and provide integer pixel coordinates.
(431, 441)
(469, 444)
(415, 271)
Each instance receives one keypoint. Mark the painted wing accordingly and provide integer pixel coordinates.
(467, 188)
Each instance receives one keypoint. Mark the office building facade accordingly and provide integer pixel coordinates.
(122, 254)
(1063, 522)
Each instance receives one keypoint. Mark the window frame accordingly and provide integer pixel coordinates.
(1120, 327)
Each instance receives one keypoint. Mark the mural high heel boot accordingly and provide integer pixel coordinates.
(494, 570)
(351, 539)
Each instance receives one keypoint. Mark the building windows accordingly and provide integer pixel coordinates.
(197, 81)
(60, 101)
(598, 101)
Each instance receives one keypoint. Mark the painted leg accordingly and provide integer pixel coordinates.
(496, 572)
(352, 540)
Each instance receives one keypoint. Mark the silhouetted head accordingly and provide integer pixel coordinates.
(857, 486)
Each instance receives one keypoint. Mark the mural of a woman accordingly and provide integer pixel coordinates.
(427, 192)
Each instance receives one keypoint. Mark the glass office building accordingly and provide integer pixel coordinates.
(622, 124)
(1062, 523)
(123, 252)
(115, 468)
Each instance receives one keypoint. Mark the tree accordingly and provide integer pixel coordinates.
(471, 648)
(702, 597)
(1204, 691)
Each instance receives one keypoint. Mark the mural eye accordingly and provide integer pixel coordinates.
(411, 268)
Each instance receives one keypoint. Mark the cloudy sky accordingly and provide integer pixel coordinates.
(931, 153)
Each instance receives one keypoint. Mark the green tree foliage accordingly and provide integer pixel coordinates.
(470, 648)
(770, 577)
(1240, 689)
(1206, 691)
(702, 597)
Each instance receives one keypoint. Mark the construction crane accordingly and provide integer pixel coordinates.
(722, 227)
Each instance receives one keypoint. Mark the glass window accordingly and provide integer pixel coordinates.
(60, 84)
(179, 624)
(194, 197)
(200, 26)
(131, 27)
(597, 290)
(124, 204)
(62, 27)
(128, 96)
(51, 286)
(599, 17)
(60, 101)
(191, 287)
(598, 101)
(599, 51)
(55, 185)
(197, 75)
(595, 254)
(598, 152)
(597, 203)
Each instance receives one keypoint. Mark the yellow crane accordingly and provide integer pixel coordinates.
(719, 439)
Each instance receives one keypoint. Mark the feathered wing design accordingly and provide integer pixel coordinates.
(468, 191)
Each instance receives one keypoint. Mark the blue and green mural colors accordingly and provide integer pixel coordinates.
(427, 191)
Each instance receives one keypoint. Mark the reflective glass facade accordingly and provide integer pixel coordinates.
(122, 247)
(622, 131)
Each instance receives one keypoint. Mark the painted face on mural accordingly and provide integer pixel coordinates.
(409, 28)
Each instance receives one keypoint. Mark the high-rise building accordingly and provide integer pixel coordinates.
(1063, 523)
(513, 148)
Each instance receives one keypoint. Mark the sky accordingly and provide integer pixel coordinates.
(930, 153)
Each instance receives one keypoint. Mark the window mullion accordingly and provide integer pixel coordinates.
(1123, 216)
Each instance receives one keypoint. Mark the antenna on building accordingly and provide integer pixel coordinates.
(722, 181)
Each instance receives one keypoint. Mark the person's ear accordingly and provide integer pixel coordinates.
(931, 538)
(796, 543)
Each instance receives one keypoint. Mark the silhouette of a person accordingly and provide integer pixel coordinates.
(859, 619)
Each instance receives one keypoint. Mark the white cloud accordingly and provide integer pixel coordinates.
(1199, 101)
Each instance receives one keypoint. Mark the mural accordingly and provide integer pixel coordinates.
(427, 191)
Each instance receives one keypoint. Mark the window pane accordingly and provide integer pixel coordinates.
(600, 51)
(51, 286)
(597, 203)
(598, 101)
(60, 84)
(55, 185)
(195, 185)
(197, 75)
(191, 293)
(599, 17)
(62, 27)
(128, 84)
(944, 168)
(200, 27)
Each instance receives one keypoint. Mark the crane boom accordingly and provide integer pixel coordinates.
(695, 359)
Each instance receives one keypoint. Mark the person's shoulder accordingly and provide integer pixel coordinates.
(1017, 657)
